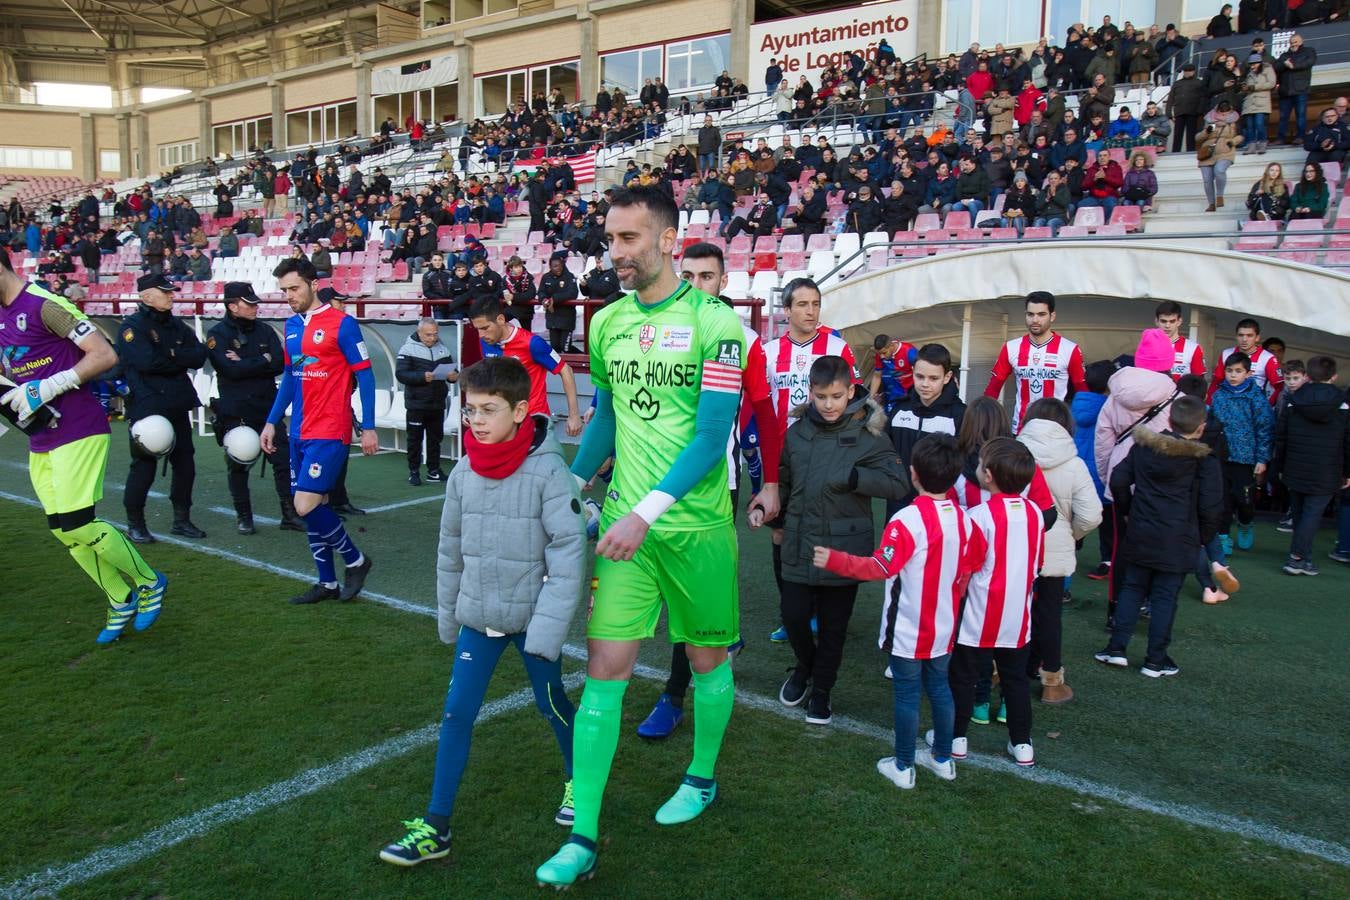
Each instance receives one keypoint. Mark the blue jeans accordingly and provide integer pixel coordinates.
(1299, 105)
(476, 657)
(707, 161)
(1210, 553)
(1018, 222)
(1254, 128)
(974, 207)
(1055, 223)
(909, 675)
(1306, 511)
(1161, 589)
(1108, 204)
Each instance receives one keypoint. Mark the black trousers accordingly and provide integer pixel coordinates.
(560, 339)
(181, 459)
(964, 671)
(1238, 496)
(818, 656)
(428, 425)
(236, 476)
(1184, 128)
(1047, 606)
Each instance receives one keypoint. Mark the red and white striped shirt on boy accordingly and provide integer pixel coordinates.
(1009, 533)
(926, 557)
(970, 495)
(1189, 360)
(1044, 370)
(789, 369)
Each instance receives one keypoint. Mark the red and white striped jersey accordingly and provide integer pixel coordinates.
(1190, 359)
(1265, 369)
(1044, 370)
(925, 557)
(789, 368)
(1009, 531)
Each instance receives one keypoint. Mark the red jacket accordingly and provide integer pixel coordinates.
(1107, 187)
(980, 83)
(1030, 99)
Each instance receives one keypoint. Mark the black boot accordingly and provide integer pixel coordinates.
(182, 525)
(137, 532)
(290, 519)
(244, 518)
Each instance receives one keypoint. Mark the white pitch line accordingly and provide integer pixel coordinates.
(1191, 815)
(416, 501)
(111, 859)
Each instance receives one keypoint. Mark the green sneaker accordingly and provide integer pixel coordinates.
(566, 814)
(1002, 713)
(420, 844)
(689, 801)
(575, 861)
(980, 714)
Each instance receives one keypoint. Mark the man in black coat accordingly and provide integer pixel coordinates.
(709, 146)
(484, 282)
(601, 282)
(760, 220)
(436, 284)
(1186, 104)
(424, 396)
(1294, 68)
(865, 212)
(558, 293)
(808, 217)
(247, 357)
(157, 352)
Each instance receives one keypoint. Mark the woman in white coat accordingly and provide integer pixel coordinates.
(1047, 431)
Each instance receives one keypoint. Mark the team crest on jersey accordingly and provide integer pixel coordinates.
(21, 321)
(729, 353)
(210, 343)
(799, 360)
(319, 336)
(888, 553)
(128, 335)
(646, 337)
(315, 470)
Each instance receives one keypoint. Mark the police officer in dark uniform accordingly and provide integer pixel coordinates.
(558, 293)
(247, 356)
(601, 282)
(158, 351)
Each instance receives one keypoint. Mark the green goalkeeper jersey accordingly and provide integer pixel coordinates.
(656, 361)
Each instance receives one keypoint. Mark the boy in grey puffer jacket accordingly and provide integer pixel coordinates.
(510, 570)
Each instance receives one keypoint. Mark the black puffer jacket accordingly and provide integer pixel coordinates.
(415, 359)
(1172, 491)
(912, 420)
(247, 384)
(1312, 440)
(828, 476)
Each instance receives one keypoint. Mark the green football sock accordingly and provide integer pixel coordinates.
(595, 737)
(105, 555)
(714, 696)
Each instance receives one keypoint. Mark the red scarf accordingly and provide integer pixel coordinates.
(500, 460)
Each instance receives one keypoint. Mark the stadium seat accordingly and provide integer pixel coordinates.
(792, 243)
(845, 245)
(1127, 215)
(1089, 216)
(763, 283)
(1258, 236)
(741, 243)
(1111, 230)
(1036, 231)
(1331, 171)
(796, 259)
(1073, 231)
(819, 242)
(738, 262)
(876, 238)
(955, 219)
(821, 262)
(927, 222)
(764, 262)
(766, 243)
(738, 284)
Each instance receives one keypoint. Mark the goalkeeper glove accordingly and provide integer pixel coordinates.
(26, 399)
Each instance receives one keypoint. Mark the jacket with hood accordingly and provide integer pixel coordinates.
(1085, 407)
(512, 554)
(415, 359)
(1076, 502)
(1248, 421)
(829, 473)
(1312, 439)
(912, 420)
(1134, 392)
(1171, 490)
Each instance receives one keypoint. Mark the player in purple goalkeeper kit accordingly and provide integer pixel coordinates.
(51, 351)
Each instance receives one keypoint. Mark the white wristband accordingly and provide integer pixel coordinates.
(651, 507)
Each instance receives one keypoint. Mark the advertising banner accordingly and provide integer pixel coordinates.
(806, 45)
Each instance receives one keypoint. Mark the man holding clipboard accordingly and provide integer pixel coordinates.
(425, 368)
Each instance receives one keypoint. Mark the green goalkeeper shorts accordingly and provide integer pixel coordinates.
(69, 478)
(693, 572)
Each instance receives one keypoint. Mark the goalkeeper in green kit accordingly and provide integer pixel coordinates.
(666, 362)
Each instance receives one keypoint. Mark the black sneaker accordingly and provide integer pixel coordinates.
(1286, 526)
(244, 525)
(435, 475)
(1295, 566)
(420, 844)
(818, 709)
(793, 691)
(415, 479)
(1111, 656)
(185, 528)
(1160, 669)
(1102, 572)
(356, 579)
(316, 594)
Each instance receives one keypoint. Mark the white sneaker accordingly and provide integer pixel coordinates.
(958, 744)
(888, 673)
(944, 770)
(901, 778)
(1022, 754)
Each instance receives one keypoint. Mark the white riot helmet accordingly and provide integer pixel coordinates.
(242, 445)
(153, 436)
